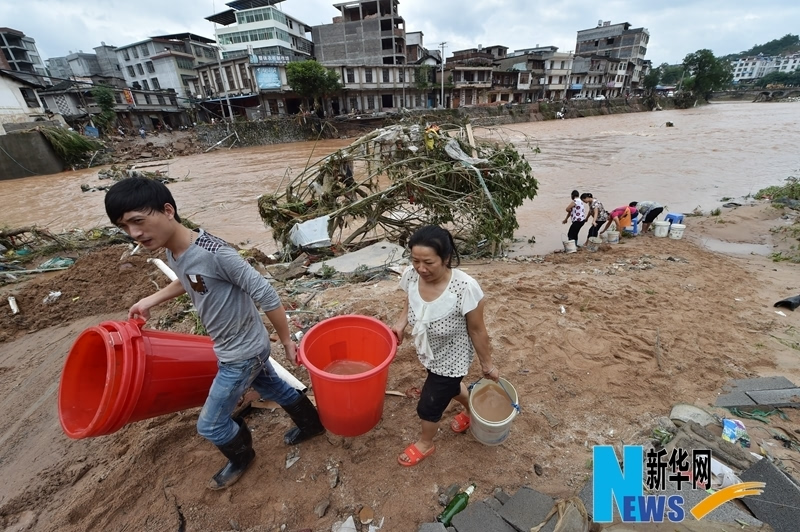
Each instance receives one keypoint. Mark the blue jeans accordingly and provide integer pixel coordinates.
(232, 380)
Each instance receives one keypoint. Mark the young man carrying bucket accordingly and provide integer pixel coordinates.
(224, 290)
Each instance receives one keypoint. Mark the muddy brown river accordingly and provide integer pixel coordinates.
(714, 151)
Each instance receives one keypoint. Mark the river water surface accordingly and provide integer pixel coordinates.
(714, 151)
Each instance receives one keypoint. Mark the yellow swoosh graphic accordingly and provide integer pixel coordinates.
(715, 500)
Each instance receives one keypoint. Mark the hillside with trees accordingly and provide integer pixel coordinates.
(788, 44)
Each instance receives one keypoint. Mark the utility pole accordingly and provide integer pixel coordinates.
(441, 98)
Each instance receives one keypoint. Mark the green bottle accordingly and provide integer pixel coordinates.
(458, 503)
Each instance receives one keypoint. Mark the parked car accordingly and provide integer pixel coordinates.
(600, 97)
(579, 97)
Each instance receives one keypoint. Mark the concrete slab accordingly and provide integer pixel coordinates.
(734, 399)
(527, 508)
(787, 398)
(479, 517)
(779, 504)
(432, 527)
(758, 384)
(685, 413)
(493, 503)
(380, 254)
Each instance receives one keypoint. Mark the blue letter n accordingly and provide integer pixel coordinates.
(610, 484)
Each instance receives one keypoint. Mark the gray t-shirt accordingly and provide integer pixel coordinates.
(225, 290)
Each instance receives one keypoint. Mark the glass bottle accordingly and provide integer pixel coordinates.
(458, 503)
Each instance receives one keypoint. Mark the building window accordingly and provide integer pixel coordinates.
(243, 75)
(117, 97)
(185, 64)
(147, 99)
(353, 103)
(198, 52)
(145, 50)
(161, 100)
(145, 85)
(126, 55)
(135, 52)
(150, 67)
(156, 84)
(231, 79)
(29, 95)
(139, 69)
(131, 71)
(401, 75)
(370, 102)
(218, 80)
(562, 65)
(368, 76)
(386, 75)
(351, 75)
(208, 53)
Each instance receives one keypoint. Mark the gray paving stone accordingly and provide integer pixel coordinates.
(789, 397)
(451, 529)
(734, 399)
(432, 527)
(493, 503)
(779, 504)
(479, 517)
(586, 496)
(758, 384)
(501, 495)
(526, 509)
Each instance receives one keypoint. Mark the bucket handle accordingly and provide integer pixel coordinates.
(515, 405)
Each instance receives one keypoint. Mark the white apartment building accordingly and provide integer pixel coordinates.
(165, 62)
(381, 88)
(259, 26)
(749, 69)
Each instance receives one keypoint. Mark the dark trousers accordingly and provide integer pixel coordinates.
(574, 229)
(594, 230)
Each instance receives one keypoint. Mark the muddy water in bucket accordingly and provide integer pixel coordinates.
(348, 367)
(492, 408)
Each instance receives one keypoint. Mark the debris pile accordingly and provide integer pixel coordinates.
(393, 180)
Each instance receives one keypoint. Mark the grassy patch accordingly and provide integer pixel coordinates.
(791, 190)
(716, 212)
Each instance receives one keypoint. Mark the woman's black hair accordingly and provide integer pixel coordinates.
(633, 204)
(438, 239)
(138, 194)
(586, 195)
(575, 194)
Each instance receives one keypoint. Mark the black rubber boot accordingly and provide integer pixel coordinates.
(239, 452)
(306, 418)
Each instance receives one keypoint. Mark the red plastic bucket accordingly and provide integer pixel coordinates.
(117, 373)
(349, 405)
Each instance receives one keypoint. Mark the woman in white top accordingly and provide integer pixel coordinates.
(445, 310)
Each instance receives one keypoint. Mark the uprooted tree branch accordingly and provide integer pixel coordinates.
(396, 179)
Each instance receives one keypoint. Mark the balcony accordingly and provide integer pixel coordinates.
(486, 84)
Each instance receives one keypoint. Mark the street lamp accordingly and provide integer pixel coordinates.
(441, 97)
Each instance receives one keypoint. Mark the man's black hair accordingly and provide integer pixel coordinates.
(138, 194)
(438, 239)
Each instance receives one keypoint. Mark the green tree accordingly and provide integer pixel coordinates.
(104, 98)
(779, 78)
(708, 72)
(671, 74)
(312, 81)
(651, 79)
(423, 79)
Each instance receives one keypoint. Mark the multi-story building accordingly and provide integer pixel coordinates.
(368, 32)
(257, 27)
(749, 69)
(166, 62)
(469, 72)
(618, 41)
(20, 52)
(135, 108)
(591, 76)
(103, 63)
(19, 102)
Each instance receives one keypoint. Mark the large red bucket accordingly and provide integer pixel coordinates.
(349, 405)
(117, 373)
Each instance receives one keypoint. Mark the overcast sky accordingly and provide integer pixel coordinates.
(677, 27)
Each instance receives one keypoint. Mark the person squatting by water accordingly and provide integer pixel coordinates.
(224, 289)
(576, 210)
(444, 307)
(597, 213)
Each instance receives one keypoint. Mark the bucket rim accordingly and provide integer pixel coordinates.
(514, 411)
(314, 370)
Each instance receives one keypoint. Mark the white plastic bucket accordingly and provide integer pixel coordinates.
(490, 432)
(613, 237)
(593, 244)
(661, 229)
(676, 231)
(570, 246)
